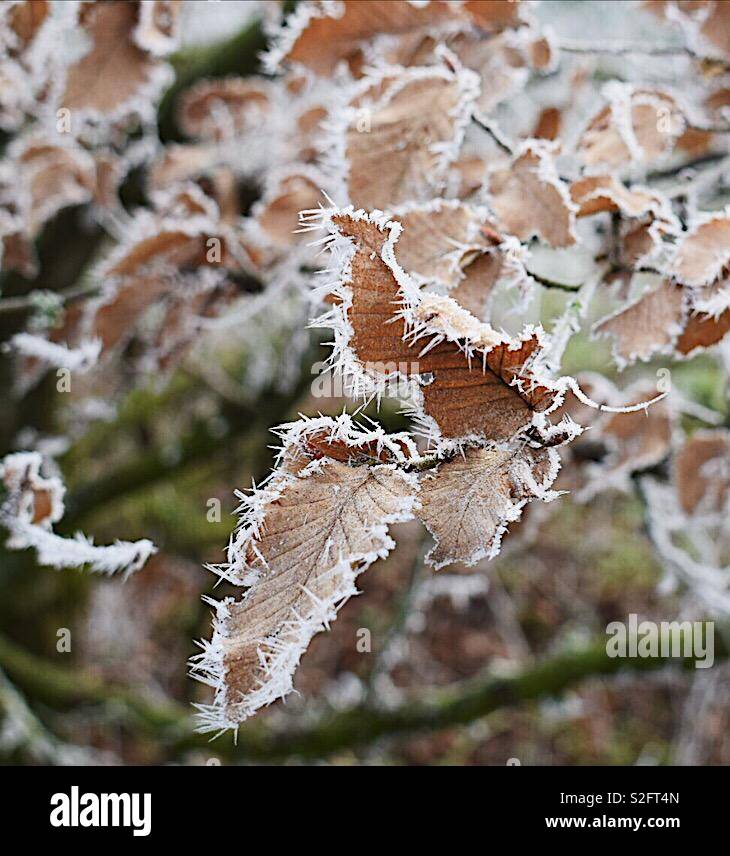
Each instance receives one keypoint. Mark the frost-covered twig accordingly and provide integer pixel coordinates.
(34, 503)
(57, 552)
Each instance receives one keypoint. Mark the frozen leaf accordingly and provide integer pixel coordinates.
(51, 175)
(33, 503)
(276, 214)
(702, 472)
(705, 23)
(548, 125)
(158, 27)
(26, 18)
(115, 76)
(634, 441)
(309, 532)
(703, 252)
(179, 259)
(16, 250)
(468, 504)
(441, 239)
(483, 384)
(217, 109)
(531, 201)
(399, 149)
(702, 331)
(595, 194)
(476, 290)
(494, 15)
(500, 62)
(30, 496)
(180, 163)
(467, 175)
(320, 37)
(637, 126)
(24, 73)
(650, 325)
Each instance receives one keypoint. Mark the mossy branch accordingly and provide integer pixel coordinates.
(170, 723)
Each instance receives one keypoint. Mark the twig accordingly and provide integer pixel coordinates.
(639, 50)
(28, 302)
(495, 133)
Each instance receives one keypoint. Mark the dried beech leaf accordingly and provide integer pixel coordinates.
(115, 72)
(703, 331)
(476, 289)
(177, 255)
(32, 505)
(483, 384)
(401, 149)
(278, 213)
(441, 239)
(317, 529)
(51, 177)
(31, 497)
(706, 23)
(26, 18)
(158, 30)
(637, 126)
(216, 109)
(319, 38)
(548, 125)
(702, 472)
(531, 201)
(501, 62)
(634, 441)
(703, 252)
(648, 326)
(469, 502)
(494, 15)
(595, 194)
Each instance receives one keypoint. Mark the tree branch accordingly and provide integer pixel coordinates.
(170, 723)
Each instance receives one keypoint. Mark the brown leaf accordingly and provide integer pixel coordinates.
(399, 149)
(160, 263)
(703, 252)
(530, 200)
(598, 193)
(548, 125)
(703, 331)
(702, 472)
(30, 496)
(648, 326)
(638, 125)
(50, 177)
(278, 214)
(440, 240)
(476, 289)
(492, 394)
(320, 39)
(468, 503)
(157, 30)
(320, 528)
(26, 18)
(637, 440)
(115, 70)
(216, 109)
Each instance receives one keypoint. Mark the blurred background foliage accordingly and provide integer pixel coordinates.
(509, 665)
